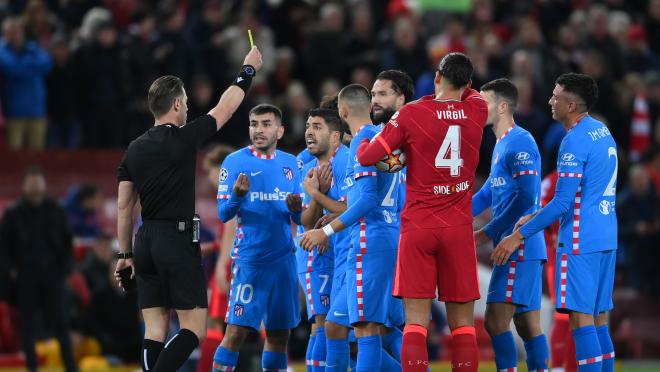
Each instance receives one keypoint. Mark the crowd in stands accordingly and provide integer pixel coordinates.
(74, 74)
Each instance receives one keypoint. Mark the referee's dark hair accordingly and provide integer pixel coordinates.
(402, 83)
(583, 86)
(356, 97)
(267, 108)
(331, 118)
(162, 93)
(457, 68)
(504, 90)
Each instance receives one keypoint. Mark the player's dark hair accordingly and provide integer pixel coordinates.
(503, 89)
(329, 102)
(402, 83)
(356, 96)
(457, 68)
(331, 119)
(162, 93)
(583, 86)
(267, 108)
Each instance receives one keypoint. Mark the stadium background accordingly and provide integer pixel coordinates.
(106, 53)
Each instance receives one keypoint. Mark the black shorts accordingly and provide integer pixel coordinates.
(168, 267)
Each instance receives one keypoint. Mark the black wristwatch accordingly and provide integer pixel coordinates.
(124, 255)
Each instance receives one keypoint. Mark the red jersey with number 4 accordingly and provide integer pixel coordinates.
(441, 139)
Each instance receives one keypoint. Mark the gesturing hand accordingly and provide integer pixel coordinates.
(506, 247)
(241, 186)
(312, 238)
(311, 182)
(325, 178)
(253, 58)
(294, 203)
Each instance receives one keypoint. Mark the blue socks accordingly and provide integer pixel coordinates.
(308, 354)
(537, 353)
(388, 363)
(587, 349)
(392, 342)
(505, 351)
(337, 356)
(272, 361)
(606, 348)
(369, 353)
(224, 359)
(318, 352)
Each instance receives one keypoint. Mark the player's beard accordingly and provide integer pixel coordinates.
(384, 116)
(271, 144)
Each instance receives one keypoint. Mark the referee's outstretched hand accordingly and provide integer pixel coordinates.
(253, 58)
(241, 186)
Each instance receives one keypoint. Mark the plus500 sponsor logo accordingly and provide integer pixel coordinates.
(497, 182)
(276, 195)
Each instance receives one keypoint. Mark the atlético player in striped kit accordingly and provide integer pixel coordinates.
(585, 203)
(512, 190)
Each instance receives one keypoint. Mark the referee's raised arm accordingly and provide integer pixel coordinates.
(233, 96)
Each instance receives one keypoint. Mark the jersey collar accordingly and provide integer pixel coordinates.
(579, 119)
(261, 156)
(505, 133)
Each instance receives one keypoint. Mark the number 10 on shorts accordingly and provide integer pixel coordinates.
(244, 293)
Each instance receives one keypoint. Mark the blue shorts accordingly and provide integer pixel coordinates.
(267, 293)
(369, 279)
(317, 287)
(338, 312)
(584, 282)
(519, 283)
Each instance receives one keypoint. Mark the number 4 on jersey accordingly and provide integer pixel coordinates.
(449, 155)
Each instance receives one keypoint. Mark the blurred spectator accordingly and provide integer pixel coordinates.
(527, 115)
(23, 66)
(567, 48)
(82, 210)
(362, 75)
(638, 213)
(360, 47)
(599, 38)
(294, 114)
(594, 65)
(324, 47)
(653, 26)
(142, 71)
(39, 23)
(212, 44)
(638, 56)
(97, 263)
(38, 243)
(200, 99)
(100, 66)
(173, 52)
(407, 51)
(283, 73)
(63, 123)
(113, 320)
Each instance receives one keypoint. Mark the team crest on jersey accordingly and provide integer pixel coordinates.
(223, 174)
(288, 173)
(238, 310)
(325, 300)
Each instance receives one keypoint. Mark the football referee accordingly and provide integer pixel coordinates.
(158, 169)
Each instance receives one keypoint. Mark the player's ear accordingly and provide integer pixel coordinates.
(438, 78)
(400, 100)
(280, 131)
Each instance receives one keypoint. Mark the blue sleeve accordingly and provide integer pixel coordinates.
(483, 199)
(565, 192)
(34, 61)
(297, 189)
(368, 186)
(228, 203)
(522, 201)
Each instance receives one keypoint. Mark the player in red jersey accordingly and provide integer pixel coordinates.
(562, 346)
(218, 282)
(440, 135)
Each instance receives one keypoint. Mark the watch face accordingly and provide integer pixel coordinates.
(249, 70)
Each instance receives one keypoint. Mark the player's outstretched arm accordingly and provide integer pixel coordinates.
(523, 200)
(483, 199)
(233, 96)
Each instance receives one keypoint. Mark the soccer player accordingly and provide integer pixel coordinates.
(325, 192)
(391, 90)
(584, 201)
(512, 190)
(259, 185)
(373, 220)
(440, 135)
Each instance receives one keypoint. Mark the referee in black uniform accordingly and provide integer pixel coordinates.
(158, 169)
